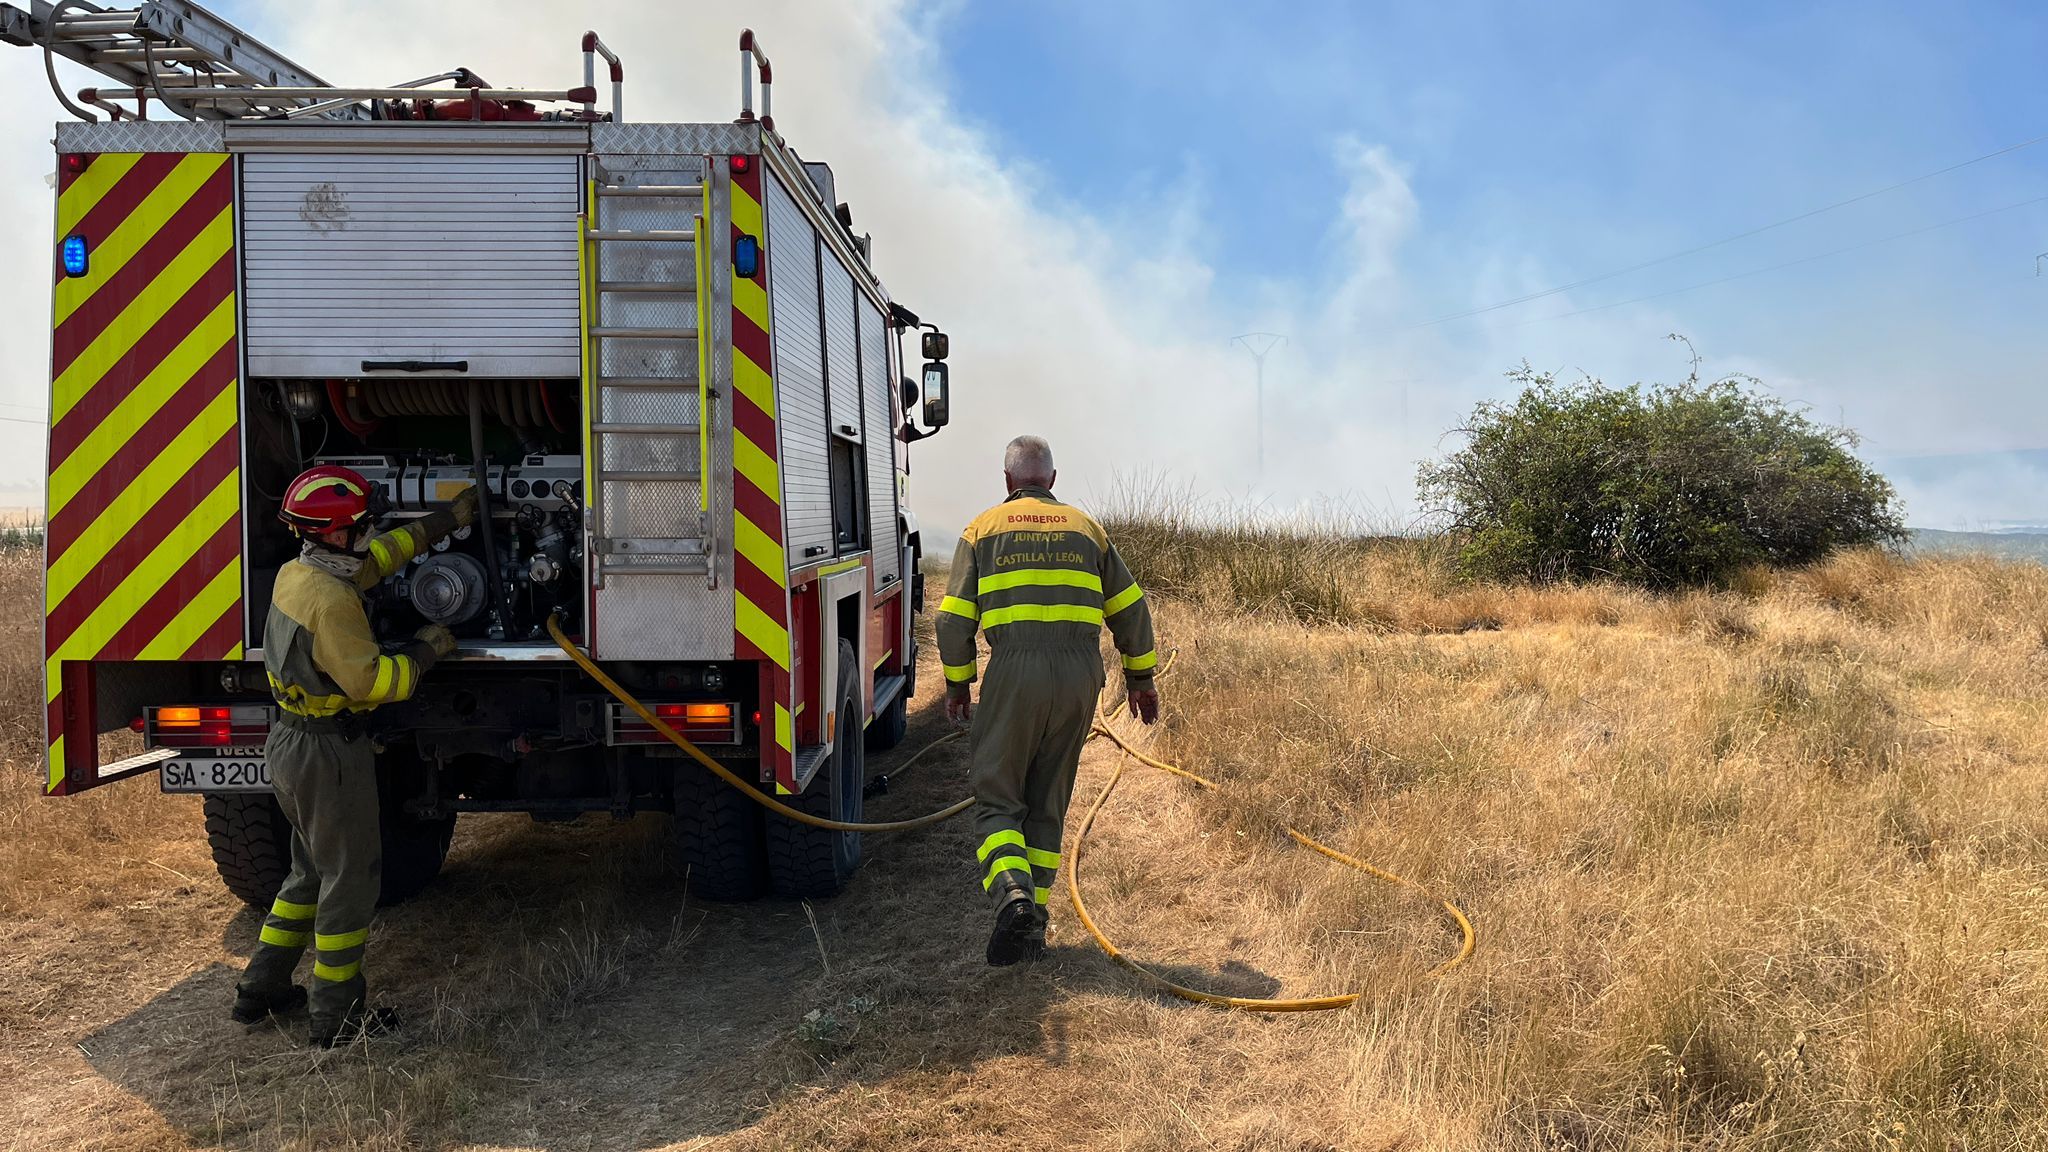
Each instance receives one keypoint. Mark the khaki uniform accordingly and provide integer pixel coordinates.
(1041, 579)
(326, 669)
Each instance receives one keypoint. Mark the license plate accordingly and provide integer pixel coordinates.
(229, 770)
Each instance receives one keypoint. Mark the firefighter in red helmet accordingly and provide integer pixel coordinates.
(326, 670)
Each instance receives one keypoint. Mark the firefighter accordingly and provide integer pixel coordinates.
(1040, 578)
(326, 671)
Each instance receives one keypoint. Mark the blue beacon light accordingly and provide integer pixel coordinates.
(77, 258)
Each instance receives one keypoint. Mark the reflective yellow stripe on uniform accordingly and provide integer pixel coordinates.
(1145, 663)
(339, 941)
(1039, 577)
(1122, 600)
(1003, 864)
(384, 555)
(997, 840)
(958, 673)
(1042, 613)
(295, 700)
(387, 679)
(334, 973)
(959, 607)
(286, 910)
(1040, 858)
(1042, 895)
(406, 675)
(282, 938)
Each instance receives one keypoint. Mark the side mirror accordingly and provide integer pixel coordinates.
(935, 345)
(937, 395)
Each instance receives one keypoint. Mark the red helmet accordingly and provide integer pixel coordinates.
(326, 498)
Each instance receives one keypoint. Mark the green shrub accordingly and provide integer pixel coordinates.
(1659, 486)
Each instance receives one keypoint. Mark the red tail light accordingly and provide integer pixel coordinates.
(206, 725)
(739, 165)
(76, 162)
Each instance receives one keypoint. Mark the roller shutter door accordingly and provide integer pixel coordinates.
(799, 376)
(439, 258)
(881, 446)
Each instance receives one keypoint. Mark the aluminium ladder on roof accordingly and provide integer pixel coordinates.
(169, 50)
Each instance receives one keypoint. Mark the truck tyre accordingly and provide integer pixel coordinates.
(888, 729)
(252, 845)
(716, 837)
(251, 842)
(815, 862)
(414, 849)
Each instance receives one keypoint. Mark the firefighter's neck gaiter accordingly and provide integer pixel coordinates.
(340, 564)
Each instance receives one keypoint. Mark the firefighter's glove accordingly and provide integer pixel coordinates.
(959, 703)
(464, 508)
(1145, 704)
(440, 639)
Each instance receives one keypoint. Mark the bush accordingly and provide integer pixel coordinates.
(1659, 486)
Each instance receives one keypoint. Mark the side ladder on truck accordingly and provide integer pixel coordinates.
(651, 392)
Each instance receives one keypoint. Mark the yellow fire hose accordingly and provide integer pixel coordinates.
(1102, 728)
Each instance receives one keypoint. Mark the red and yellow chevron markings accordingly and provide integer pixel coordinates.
(145, 536)
(760, 565)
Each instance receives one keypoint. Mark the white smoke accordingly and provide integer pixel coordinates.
(1106, 333)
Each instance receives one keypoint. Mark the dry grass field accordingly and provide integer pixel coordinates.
(1757, 869)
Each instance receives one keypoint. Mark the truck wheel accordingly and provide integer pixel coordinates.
(252, 846)
(716, 836)
(414, 849)
(251, 842)
(815, 862)
(888, 729)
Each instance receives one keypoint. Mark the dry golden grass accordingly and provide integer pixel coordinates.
(1757, 869)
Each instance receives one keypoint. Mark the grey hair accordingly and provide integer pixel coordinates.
(1028, 460)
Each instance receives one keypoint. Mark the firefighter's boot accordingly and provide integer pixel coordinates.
(357, 1024)
(1019, 933)
(253, 1005)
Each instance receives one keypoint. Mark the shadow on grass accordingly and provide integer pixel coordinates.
(559, 991)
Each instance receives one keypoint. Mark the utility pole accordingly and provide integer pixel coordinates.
(1258, 344)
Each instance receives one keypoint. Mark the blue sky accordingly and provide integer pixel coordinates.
(1542, 144)
(1094, 198)
(1581, 137)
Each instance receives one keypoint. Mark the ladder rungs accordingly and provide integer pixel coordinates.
(679, 476)
(661, 547)
(611, 570)
(645, 286)
(646, 333)
(648, 429)
(665, 191)
(665, 235)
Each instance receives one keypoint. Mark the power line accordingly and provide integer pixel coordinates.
(1786, 264)
(24, 420)
(1665, 259)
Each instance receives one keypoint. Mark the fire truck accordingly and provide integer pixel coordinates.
(659, 350)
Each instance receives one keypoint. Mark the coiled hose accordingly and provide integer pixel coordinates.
(1468, 938)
